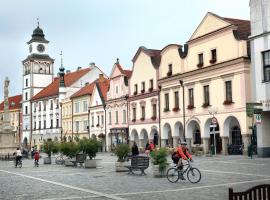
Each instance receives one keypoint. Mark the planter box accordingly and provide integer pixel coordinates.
(68, 162)
(120, 166)
(90, 163)
(47, 160)
(157, 173)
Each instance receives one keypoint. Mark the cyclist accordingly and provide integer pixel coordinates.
(18, 155)
(181, 153)
(36, 156)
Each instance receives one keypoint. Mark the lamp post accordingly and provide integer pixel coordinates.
(213, 111)
(61, 121)
(159, 90)
(89, 122)
(184, 113)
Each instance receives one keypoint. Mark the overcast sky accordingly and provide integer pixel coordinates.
(99, 30)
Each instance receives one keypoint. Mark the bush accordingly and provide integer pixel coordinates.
(69, 149)
(159, 157)
(50, 147)
(89, 147)
(121, 151)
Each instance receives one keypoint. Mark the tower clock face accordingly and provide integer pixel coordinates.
(40, 48)
(30, 48)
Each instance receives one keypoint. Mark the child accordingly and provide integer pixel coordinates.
(36, 157)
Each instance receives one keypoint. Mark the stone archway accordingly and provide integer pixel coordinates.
(154, 137)
(211, 137)
(143, 139)
(194, 132)
(134, 137)
(178, 133)
(167, 139)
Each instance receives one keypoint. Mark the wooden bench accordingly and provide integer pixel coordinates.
(138, 163)
(260, 192)
(80, 158)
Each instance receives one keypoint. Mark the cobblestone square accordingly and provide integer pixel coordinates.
(59, 182)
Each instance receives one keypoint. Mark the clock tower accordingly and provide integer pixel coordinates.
(37, 74)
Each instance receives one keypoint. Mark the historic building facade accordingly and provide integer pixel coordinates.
(260, 58)
(37, 74)
(117, 106)
(210, 75)
(144, 98)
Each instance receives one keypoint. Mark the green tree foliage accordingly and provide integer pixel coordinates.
(159, 157)
(121, 151)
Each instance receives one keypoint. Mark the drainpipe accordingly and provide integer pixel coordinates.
(105, 124)
(72, 118)
(159, 87)
(184, 114)
(31, 132)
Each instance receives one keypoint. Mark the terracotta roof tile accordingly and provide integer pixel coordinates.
(125, 72)
(104, 86)
(86, 90)
(243, 30)
(14, 102)
(53, 88)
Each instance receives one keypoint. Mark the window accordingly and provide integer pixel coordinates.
(134, 114)
(151, 84)
(51, 123)
(197, 137)
(110, 118)
(266, 66)
(228, 85)
(200, 60)
(57, 103)
(116, 89)
(213, 56)
(176, 99)
(124, 117)
(26, 96)
(57, 123)
(169, 73)
(85, 106)
(39, 106)
(93, 121)
(97, 120)
(143, 112)
(26, 82)
(206, 95)
(26, 110)
(154, 111)
(102, 119)
(167, 105)
(135, 89)
(116, 117)
(44, 105)
(85, 125)
(39, 125)
(77, 126)
(44, 124)
(191, 98)
(35, 107)
(143, 87)
(35, 125)
(77, 107)
(51, 107)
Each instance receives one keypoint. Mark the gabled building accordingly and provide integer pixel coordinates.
(117, 106)
(144, 98)
(46, 105)
(208, 77)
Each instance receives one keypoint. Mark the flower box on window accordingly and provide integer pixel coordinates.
(135, 93)
(169, 73)
(190, 107)
(142, 91)
(205, 105)
(134, 120)
(142, 119)
(97, 125)
(154, 118)
(166, 110)
(200, 65)
(212, 61)
(150, 89)
(176, 109)
(227, 102)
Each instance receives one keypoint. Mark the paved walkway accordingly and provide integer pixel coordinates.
(56, 182)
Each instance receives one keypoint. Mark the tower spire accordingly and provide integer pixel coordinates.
(62, 72)
(38, 22)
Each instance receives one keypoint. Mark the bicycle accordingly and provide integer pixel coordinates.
(193, 174)
(36, 164)
(19, 163)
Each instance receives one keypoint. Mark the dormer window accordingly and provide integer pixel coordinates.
(151, 85)
(135, 89)
(143, 87)
(213, 56)
(169, 73)
(200, 59)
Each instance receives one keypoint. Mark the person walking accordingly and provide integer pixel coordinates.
(36, 156)
(134, 149)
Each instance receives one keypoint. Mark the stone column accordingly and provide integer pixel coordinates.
(141, 145)
(225, 142)
(176, 139)
(163, 142)
(206, 145)
(188, 140)
(246, 138)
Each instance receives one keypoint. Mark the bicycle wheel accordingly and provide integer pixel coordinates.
(19, 164)
(172, 174)
(194, 175)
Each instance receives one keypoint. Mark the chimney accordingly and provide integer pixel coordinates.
(87, 83)
(92, 65)
(68, 71)
(101, 77)
(79, 68)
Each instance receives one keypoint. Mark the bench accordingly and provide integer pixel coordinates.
(260, 192)
(80, 158)
(138, 163)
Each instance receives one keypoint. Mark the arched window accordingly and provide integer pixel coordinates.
(197, 137)
(236, 136)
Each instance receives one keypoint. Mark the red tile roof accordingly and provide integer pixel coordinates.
(86, 90)
(14, 102)
(53, 88)
(127, 73)
(104, 86)
(153, 53)
(243, 29)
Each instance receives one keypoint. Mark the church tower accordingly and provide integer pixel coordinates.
(37, 74)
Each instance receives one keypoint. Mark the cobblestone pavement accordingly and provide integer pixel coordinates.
(59, 182)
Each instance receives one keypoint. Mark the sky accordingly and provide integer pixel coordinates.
(100, 31)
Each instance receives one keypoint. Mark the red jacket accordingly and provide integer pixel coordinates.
(151, 147)
(36, 156)
(183, 153)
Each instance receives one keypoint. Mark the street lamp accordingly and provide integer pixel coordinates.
(88, 122)
(212, 111)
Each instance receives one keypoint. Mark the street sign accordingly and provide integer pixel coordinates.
(214, 120)
(213, 126)
(253, 108)
(258, 118)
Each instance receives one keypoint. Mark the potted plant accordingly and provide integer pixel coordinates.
(90, 148)
(49, 148)
(69, 149)
(121, 151)
(159, 161)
